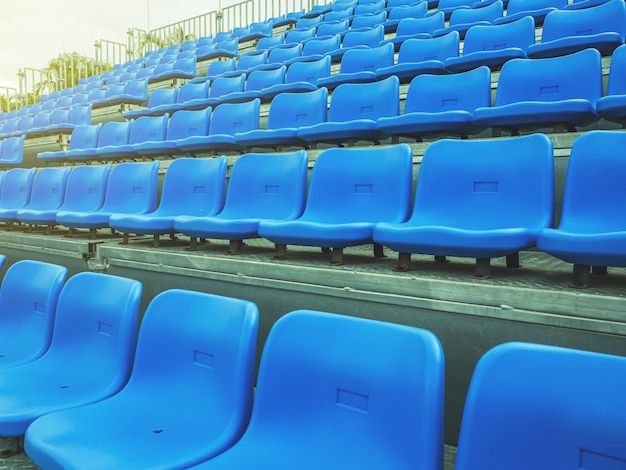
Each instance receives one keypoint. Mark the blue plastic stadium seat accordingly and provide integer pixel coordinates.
(369, 37)
(288, 112)
(47, 195)
(131, 92)
(565, 31)
(159, 97)
(28, 301)
(144, 129)
(336, 16)
(247, 61)
(493, 45)
(226, 120)
(417, 28)
(306, 22)
(182, 125)
(83, 143)
(418, 56)
(255, 31)
(350, 191)
(261, 187)
(592, 229)
(227, 48)
(353, 112)
(441, 103)
(90, 354)
(537, 9)
(199, 365)
(613, 105)
(256, 82)
(215, 69)
(367, 395)
(269, 42)
(191, 187)
(448, 6)
(221, 86)
(15, 193)
(557, 91)
(297, 36)
(368, 20)
(317, 48)
(279, 55)
(466, 18)
(332, 28)
(187, 92)
(300, 77)
(400, 12)
(12, 151)
(540, 392)
(112, 135)
(131, 189)
(473, 201)
(359, 66)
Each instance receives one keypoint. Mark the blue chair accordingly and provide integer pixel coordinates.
(255, 31)
(602, 27)
(463, 19)
(181, 68)
(359, 66)
(83, 143)
(159, 97)
(260, 187)
(368, 7)
(441, 103)
(368, 20)
(28, 302)
(131, 189)
(613, 105)
(15, 192)
(333, 28)
(336, 16)
(350, 191)
(278, 56)
(191, 187)
(591, 230)
(256, 82)
(131, 92)
(537, 9)
(417, 28)
(300, 77)
(227, 48)
(288, 112)
(353, 112)
(12, 151)
(558, 91)
(269, 42)
(248, 61)
(221, 86)
(370, 37)
(493, 45)
(473, 201)
(543, 391)
(215, 69)
(187, 92)
(306, 23)
(199, 365)
(47, 195)
(90, 354)
(143, 129)
(449, 6)
(322, 398)
(317, 48)
(112, 135)
(298, 36)
(182, 125)
(400, 12)
(418, 56)
(227, 120)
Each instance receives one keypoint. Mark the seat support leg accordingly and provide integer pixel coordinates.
(512, 261)
(337, 257)
(404, 263)
(16, 445)
(156, 241)
(124, 239)
(233, 247)
(483, 268)
(379, 251)
(580, 276)
(93, 233)
(193, 244)
(281, 252)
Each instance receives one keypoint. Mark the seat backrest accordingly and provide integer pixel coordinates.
(361, 185)
(267, 186)
(48, 189)
(594, 197)
(471, 185)
(220, 66)
(299, 35)
(271, 41)
(369, 20)
(519, 6)
(85, 188)
(40, 120)
(251, 59)
(427, 24)
(336, 15)
(305, 23)
(520, 34)
(325, 378)
(95, 331)
(308, 71)
(472, 15)
(321, 45)
(85, 136)
(416, 10)
(149, 129)
(28, 301)
(231, 118)
(224, 85)
(368, 37)
(230, 46)
(194, 186)
(371, 7)
(330, 28)
(617, 74)
(440, 93)
(372, 100)
(448, 5)
(16, 187)
(115, 89)
(13, 150)
(162, 96)
(292, 110)
(185, 124)
(421, 50)
(64, 102)
(191, 91)
(80, 98)
(60, 116)
(281, 54)
(540, 392)
(260, 79)
(607, 17)
(115, 133)
(79, 115)
(138, 89)
(367, 60)
(574, 76)
(132, 188)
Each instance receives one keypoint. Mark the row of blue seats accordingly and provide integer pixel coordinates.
(470, 201)
(59, 121)
(332, 390)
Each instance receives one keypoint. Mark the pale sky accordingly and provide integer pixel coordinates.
(34, 31)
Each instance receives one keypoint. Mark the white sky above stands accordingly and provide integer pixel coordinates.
(34, 31)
